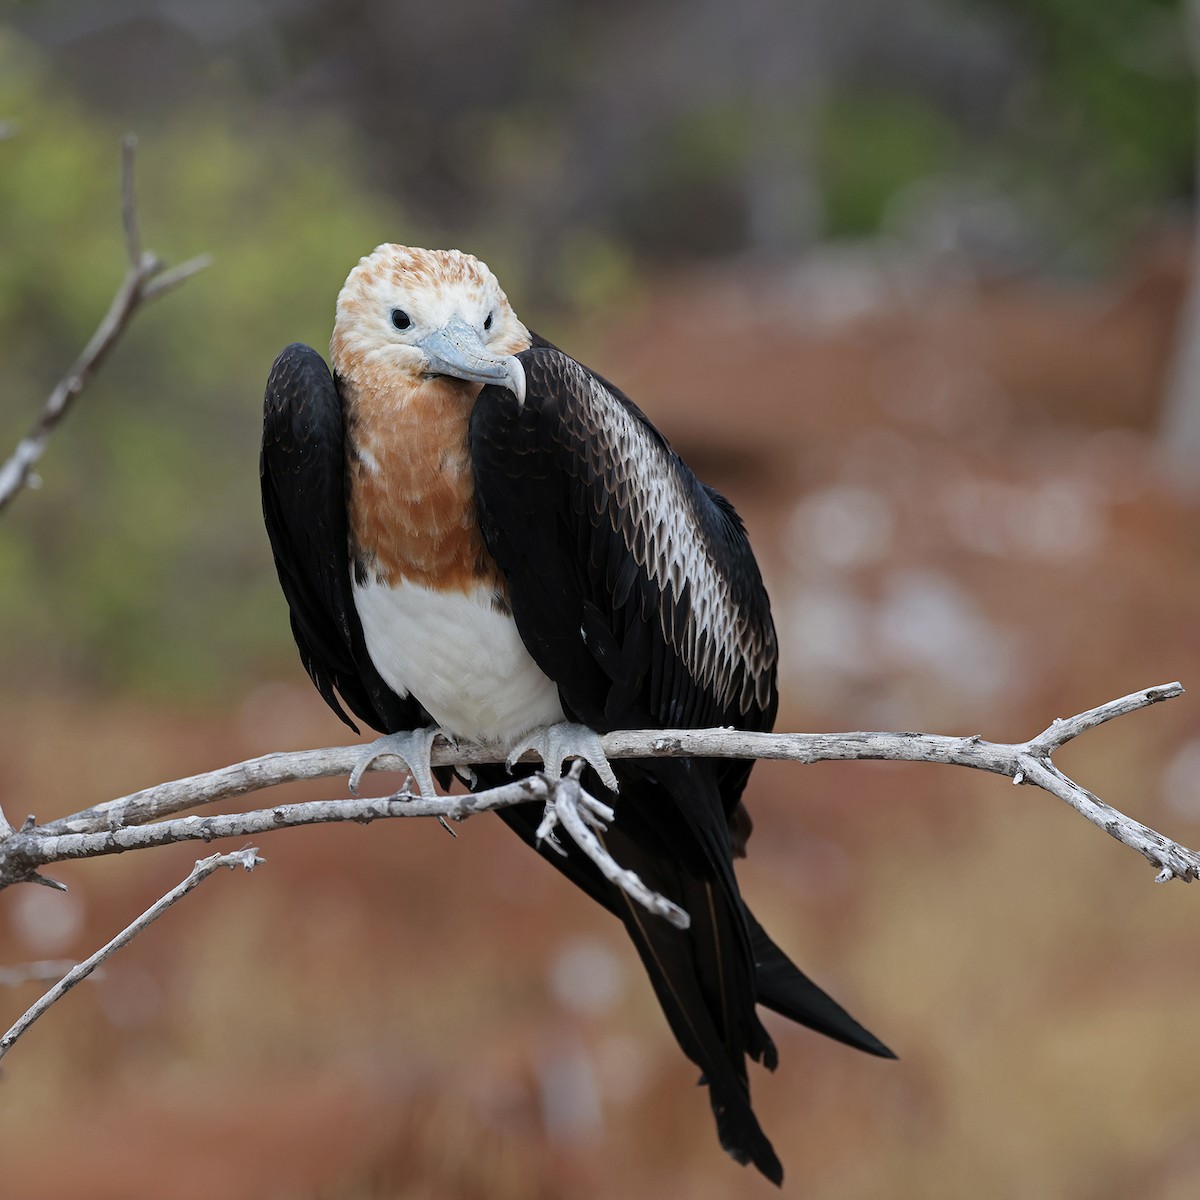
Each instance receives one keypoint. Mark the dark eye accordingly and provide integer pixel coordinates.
(400, 318)
(488, 323)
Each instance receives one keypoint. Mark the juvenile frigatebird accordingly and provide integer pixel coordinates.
(478, 535)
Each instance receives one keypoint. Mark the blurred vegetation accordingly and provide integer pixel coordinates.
(141, 560)
(1109, 111)
(579, 148)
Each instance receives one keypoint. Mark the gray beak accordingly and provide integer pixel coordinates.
(456, 349)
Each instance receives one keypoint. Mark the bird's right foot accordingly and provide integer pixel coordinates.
(415, 747)
(554, 744)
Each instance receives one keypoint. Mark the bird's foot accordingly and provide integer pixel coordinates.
(554, 744)
(416, 749)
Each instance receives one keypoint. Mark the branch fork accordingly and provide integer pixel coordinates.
(147, 818)
(146, 278)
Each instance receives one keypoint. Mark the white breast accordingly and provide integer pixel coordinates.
(460, 657)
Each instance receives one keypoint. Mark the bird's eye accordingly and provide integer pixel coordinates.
(400, 318)
(488, 323)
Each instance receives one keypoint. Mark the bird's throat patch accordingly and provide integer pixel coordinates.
(411, 489)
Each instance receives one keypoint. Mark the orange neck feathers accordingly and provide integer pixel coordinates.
(411, 488)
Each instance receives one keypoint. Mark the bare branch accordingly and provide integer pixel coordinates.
(583, 816)
(247, 859)
(30, 848)
(1062, 730)
(175, 276)
(145, 279)
(136, 821)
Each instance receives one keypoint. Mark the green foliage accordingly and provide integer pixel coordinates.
(142, 558)
(1109, 110)
(872, 146)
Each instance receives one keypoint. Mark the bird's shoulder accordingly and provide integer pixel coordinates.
(582, 397)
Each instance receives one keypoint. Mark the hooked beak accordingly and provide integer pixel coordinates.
(456, 349)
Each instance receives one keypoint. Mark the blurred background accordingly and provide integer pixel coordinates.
(908, 280)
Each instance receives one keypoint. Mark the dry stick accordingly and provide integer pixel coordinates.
(584, 817)
(145, 279)
(247, 859)
(123, 824)
(271, 770)
(30, 848)
(566, 801)
(108, 829)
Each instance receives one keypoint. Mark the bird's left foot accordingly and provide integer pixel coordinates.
(554, 744)
(416, 749)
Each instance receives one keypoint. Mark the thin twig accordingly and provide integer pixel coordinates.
(1063, 729)
(247, 859)
(129, 213)
(173, 277)
(145, 279)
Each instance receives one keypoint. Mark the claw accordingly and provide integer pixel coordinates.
(415, 747)
(554, 744)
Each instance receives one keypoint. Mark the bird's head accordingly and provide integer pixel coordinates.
(421, 315)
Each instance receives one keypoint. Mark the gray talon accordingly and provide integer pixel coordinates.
(554, 744)
(415, 747)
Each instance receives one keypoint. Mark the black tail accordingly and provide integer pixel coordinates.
(704, 980)
(709, 977)
(783, 987)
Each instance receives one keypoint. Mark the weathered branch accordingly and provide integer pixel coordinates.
(583, 817)
(271, 770)
(145, 278)
(136, 821)
(247, 859)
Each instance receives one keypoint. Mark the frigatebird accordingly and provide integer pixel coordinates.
(478, 535)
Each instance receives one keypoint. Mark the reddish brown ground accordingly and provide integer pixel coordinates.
(371, 1014)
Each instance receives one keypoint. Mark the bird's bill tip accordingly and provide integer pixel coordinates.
(516, 378)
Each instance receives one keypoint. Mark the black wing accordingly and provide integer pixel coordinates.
(303, 475)
(634, 588)
(634, 584)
